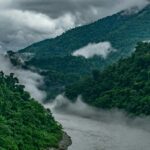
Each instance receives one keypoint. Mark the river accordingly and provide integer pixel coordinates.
(99, 130)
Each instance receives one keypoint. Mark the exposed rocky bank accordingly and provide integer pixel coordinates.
(64, 143)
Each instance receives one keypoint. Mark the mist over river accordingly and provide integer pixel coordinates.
(92, 129)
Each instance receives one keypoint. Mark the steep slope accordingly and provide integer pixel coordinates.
(24, 123)
(123, 30)
(124, 85)
(76, 38)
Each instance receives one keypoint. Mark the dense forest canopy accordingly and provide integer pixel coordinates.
(124, 85)
(24, 123)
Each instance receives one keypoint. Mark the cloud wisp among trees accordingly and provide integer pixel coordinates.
(102, 49)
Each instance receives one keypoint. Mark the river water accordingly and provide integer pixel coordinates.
(91, 129)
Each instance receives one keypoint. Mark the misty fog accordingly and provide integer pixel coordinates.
(89, 128)
(92, 129)
(31, 80)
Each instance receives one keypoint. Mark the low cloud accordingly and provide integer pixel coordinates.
(100, 129)
(31, 80)
(101, 49)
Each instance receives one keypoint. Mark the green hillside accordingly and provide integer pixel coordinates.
(101, 30)
(122, 30)
(54, 55)
(124, 85)
(24, 123)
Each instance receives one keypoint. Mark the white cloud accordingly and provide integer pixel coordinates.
(38, 21)
(101, 49)
(21, 28)
(31, 80)
(24, 22)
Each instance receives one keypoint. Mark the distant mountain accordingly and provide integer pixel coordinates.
(124, 85)
(123, 30)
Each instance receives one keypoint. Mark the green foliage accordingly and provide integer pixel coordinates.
(24, 123)
(55, 82)
(122, 30)
(124, 85)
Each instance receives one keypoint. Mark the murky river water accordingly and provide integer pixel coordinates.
(112, 133)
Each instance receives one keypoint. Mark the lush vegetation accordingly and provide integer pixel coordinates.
(24, 123)
(120, 29)
(123, 30)
(124, 85)
(55, 82)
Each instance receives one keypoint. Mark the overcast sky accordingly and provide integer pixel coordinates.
(23, 22)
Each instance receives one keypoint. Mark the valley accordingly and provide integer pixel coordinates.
(85, 89)
(101, 130)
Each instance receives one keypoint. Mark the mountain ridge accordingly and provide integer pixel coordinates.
(108, 23)
(54, 56)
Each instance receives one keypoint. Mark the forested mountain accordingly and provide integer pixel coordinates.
(123, 30)
(24, 123)
(108, 29)
(124, 85)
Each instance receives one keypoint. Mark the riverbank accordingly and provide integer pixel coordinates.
(64, 143)
(109, 132)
